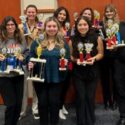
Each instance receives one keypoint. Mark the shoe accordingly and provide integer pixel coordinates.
(114, 106)
(121, 121)
(22, 115)
(64, 110)
(61, 115)
(36, 116)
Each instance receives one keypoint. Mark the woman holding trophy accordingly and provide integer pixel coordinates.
(114, 58)
(12, 51)
(86, 50)
(62, 15)
(30, 28)
(56, 53)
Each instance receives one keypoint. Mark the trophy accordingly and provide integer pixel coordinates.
(18, 63)
(88, 48)
(40, 23)
(113, 35)
(25, 27)
(3, 62)
(62, 60)
(80, 49)
(38, 76)
(67, 27)
(96, 19)
(10, 63)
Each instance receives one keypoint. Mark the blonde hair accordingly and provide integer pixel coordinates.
(59, 40)
(112, 8)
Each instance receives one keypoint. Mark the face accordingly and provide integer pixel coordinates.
(109, 14)
(31, 13)
(51, 28)
(87, 13)
(61, 16)
(83, 27)
(10, 27)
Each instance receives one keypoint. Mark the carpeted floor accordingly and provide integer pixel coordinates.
(103, 117)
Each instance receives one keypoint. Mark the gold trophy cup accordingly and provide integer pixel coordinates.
(39, 76)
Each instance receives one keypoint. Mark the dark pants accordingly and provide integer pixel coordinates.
(107, 80)
(49, 100)
(120, 87)
(65, 87)
(11, 90)
(85, 101)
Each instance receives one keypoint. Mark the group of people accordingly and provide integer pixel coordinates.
(85, 58)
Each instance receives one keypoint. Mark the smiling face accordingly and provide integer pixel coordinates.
(31, 13)
(87, 13)
(110, 14)
(61, 16)
(82, 27)
(51, 28)
(10, 27)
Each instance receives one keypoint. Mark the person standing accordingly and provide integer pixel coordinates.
(86, 50)
(119, 59)
(62, 15)
(49, 92)
(33, 30)
(11, 84)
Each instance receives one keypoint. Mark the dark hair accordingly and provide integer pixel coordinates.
(4, 34)
(57, 11)
(78, 37)
(33, 6)
(92, 13)
(77, 34)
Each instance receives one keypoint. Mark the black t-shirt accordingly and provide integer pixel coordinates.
(85, 72)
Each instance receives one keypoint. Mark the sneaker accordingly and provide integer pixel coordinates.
(64, 110)
(36, 116)
(22, 115)
(61, 115)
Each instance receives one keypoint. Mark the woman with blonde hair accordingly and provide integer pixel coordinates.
(106, 65)
(114, 60)
(49, 92)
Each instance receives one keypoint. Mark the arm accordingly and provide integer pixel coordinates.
(100, 52)
(71, 52)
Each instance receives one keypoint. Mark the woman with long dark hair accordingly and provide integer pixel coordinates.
(62, 15)
(86, 50)
(12, 48)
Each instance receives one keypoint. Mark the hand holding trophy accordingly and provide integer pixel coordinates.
(3, 60)
(89, 58)
(63, 61)
(81, 55)
(39, 76)
(19, 59)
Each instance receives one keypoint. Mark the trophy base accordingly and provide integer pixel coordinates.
(119, 45)
(111, 47)
(35, 79)
(115, 46)
(26, 34)
(10, 71)
(38, 60)
(81, 63)
(62, 69)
